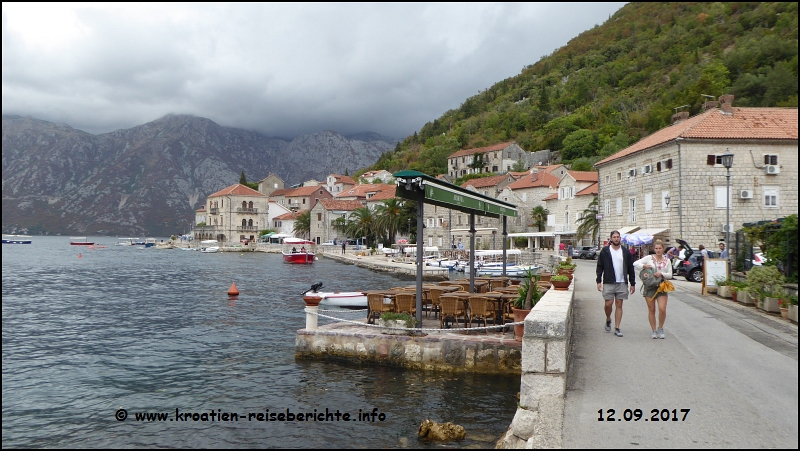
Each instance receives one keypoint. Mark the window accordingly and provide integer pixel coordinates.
(770, 159)
(551, 220)
(648, 202)
(275, 185)
(566, 218)
(524, 197)
(607, 179)
(664, 204)
(440, 242)
(619, 176)
(304, 200)
(619, 206)
(771, 197)
(319, 216)
(632, 201)
(608, 206)
(720, 200)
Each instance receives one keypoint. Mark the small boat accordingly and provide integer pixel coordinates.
(80, 241)
(343, 299)
(149, 242)
(209, 246)
(16, 239)
(164, 245)
(511, 270)
(304, 255)
(126, 241)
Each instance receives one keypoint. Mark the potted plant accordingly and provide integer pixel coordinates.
(397, 323)
(723, 286)
(793, 308)
(783, 304)
(738, 291)
(529, 295)
(772, 301)
(561, 282)
(762, 280)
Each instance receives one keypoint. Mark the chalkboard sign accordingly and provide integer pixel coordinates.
(713, 269)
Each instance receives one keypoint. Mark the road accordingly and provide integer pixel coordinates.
(735, 368)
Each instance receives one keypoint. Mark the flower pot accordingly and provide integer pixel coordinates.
(561, 285)
(545, 277)
(785, 313)
(793, 313)
(399, 325)
(770, 305)
(515, 281)
(734, 296)
(565, 271)
(724, 291)
(745, 298)
(519, 316)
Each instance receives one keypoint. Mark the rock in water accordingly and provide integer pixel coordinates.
(441, 432)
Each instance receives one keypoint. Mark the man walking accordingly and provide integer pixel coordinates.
(614, 270)
(344, 246)
(723, 251)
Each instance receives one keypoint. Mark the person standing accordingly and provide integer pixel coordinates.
(723, 251)
(561, 248)
(703, 251)
(661, 268)
(614, 271)
(344, 246)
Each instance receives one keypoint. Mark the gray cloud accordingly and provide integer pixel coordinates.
(280, 69)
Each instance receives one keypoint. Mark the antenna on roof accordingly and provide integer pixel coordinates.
(710, 102)
(678, 108)
(679, 114)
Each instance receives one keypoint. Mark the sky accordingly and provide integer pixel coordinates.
(279, 69)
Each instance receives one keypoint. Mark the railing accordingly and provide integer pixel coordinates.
(246, 229)
(214, 211)
(246, 210)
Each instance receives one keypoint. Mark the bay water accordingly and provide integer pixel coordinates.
(149, 331)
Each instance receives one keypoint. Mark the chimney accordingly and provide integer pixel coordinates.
(680, 116)
(726, 103)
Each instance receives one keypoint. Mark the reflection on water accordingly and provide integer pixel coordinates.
(152, 330)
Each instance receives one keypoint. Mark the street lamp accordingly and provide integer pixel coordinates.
(727, 161)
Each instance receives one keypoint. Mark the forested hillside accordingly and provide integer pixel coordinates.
(621, 81)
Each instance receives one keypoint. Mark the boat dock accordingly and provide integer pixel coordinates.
(379, 262)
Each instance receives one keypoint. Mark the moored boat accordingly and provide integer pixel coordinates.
(16, 239)
(209, 246)
(303, 255)
(80, 241)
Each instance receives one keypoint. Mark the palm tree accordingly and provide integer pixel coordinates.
(361, 222)
(389, 217)
(589, 225)
(340, 225)
(539, 217)
(302, 224)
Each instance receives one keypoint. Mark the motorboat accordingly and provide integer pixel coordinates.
(490, 263)
(80, 241)
(512, 270)
(16, 239)
(126, 241)
(209, 246)
(149, 242)
(298, 251)
(164, 245)
(341, 299)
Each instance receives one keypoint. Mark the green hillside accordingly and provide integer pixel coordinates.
(620, 81)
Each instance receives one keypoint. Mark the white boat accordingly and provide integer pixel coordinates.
(126, 241)
(16, 239)
(513, 270)
(209, 246)
(490, 263)
(344, 299)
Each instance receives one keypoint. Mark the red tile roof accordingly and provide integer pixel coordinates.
(491, 148)
(344, 179)
(591, 189)
(486, 182)
(362, 190)
(238, 190)
(201, 209)
(550, 168)
(304, 191)
(537, 179)
(583, 176)
(292, 215)
(335, 204)
(553, 196)
(744, 123)
(383, 195)
(281, 192)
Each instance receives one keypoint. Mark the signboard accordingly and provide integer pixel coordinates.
(713, 269)
(598, 217)
(435, 193)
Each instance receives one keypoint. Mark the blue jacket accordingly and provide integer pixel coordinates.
(605, 267)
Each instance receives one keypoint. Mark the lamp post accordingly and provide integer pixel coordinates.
(727, 161)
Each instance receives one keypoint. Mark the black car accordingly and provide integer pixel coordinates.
(588, 252)
(691, 267)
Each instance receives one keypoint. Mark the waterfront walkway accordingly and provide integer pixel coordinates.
(733, 366)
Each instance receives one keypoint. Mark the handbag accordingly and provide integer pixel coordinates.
(648, 278)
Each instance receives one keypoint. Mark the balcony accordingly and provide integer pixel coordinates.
(247, 210)
(214, 211)
(246, 229)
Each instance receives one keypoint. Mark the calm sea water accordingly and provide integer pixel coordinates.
(150, 330)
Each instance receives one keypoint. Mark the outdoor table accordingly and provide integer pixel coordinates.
(465, 283)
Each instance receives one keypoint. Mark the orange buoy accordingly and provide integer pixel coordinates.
(233, 291)
(80, 256)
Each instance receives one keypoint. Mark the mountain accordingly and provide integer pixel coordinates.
(149, 179)
(620, 81)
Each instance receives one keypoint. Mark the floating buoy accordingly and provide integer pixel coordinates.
(80, 256)
(233, 291)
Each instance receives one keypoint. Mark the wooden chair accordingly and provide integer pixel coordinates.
(406, 303)
(446, 283)
(481, 308)
(434, 299)
(451, 307)
(376, 307)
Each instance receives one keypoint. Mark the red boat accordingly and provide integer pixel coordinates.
(80, 241)
(299, 251)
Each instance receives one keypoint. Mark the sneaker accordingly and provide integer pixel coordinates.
(617, 332)
(608, 326)
(661, 333)
(655, 335)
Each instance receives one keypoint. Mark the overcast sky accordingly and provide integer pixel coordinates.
(281, 69)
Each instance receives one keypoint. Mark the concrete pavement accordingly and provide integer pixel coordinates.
(733, 367)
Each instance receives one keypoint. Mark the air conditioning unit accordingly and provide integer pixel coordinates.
(727, 228)
(632, 173)
(772, 169)
(746, 194)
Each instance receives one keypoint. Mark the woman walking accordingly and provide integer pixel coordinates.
(662, 268)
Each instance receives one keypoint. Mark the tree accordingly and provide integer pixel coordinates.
(519, 166)
(477, 162)
(582, 164)
(388, 217)
(243, 179)
(302, 224)
(361, 223)
(589, 224)
(539, 217)
(580, 143)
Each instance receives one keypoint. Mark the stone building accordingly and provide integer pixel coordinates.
(200, 215)
(270, 184)
(233, 214)
(575, 191)
(305, 197)
(323, 215)
(496, 158)
(529, 192)
(336, 183)
(672, 184)
(284, 224)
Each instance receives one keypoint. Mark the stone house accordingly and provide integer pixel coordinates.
(575, 191)
(364, 192)
(233, 214)
(275, 210)
(381, 176)
(305, 197)
(498, 158)
(200, 215)
(269, 184)
(672, 184)
(336, 183)
(279, 196)
(528, 193)
(284, 224)
(323, 215)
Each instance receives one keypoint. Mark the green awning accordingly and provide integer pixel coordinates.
(437, 192)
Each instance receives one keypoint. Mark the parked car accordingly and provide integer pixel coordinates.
(588, 252)
(691, 267)
(329, 243)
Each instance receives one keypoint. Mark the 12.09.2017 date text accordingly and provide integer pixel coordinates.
(637, 414)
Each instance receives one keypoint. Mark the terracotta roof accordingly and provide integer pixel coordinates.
(517, 175)
(383, 195)
(202, 208)
(537, 179)
(238, 190)
(304, 191)
(335, 204)
(584, 176)
(591, 189)
(281, 192)
(494, 147)
(553, 196)
(486, 182)
(292, 215)
(344, 179)
(362, 190)
(744, 123)
(550, 168)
